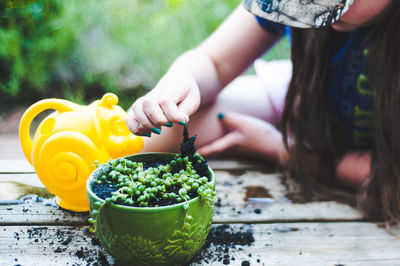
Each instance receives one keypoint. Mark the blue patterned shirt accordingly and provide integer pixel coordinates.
(349, 95)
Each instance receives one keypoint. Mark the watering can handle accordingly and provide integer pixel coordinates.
(35, 109)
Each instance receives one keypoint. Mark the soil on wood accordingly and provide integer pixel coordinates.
(63, 241)
(221, 242)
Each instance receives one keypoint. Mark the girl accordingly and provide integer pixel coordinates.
(338, 120)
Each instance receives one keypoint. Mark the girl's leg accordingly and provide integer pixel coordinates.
(247, 95)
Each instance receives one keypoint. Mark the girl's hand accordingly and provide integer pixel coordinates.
(201, 73)
(250, 135)
(174, 99)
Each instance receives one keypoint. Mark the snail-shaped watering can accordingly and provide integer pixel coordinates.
(68, 142)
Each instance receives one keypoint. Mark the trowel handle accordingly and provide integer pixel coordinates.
(35, 109)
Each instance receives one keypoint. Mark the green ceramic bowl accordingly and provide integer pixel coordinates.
(168, 235)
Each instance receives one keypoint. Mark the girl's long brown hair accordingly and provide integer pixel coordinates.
(314, 155)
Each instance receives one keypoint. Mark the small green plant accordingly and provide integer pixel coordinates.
(155, 183)
(141, 185)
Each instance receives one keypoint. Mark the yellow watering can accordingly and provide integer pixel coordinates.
(69, 141)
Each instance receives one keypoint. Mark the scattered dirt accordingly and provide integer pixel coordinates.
(92, 257)
(284, 229)
(257, 211)
(61, 241)
(221, 241)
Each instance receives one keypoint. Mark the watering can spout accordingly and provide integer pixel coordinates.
(68, 142)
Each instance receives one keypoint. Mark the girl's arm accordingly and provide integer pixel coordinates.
(197, 76)
(353, 168)
(232, 48)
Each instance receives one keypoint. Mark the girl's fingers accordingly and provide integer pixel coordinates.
(228, 141)
(141, 131)
(234, 120)
(140, 116)
(134, 126)
(154, 113)
(245, 123)
(162, 106)
(172, 112)
(189, 105)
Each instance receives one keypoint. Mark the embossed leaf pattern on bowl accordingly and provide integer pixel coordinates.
(179, 248)
(141, 251)
(183, 243)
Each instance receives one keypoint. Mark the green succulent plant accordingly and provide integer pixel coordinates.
(140, 185)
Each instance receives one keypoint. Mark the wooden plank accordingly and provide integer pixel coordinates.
(255, 196)
(50, 245)
(16, 166)
(24, 178)
(240, 164)
(352, 243)
(23, 166)
(39, 211)
(233, 205)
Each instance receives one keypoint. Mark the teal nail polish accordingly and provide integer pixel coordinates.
(156, 130)
(144, 134)
(221, 116)
(182, 123)
(169, 124)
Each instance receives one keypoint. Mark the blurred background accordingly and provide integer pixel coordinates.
(80, 49)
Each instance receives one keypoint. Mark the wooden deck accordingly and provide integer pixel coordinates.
(253, 222)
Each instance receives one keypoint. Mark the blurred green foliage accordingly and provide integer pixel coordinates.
(79, 49)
